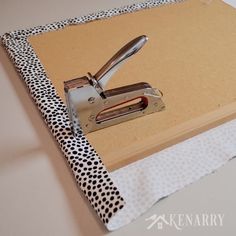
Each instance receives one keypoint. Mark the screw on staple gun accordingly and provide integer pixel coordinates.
(91, 107)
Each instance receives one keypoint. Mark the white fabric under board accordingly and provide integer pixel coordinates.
(146, 181)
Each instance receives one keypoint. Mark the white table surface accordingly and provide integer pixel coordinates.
(38, 195)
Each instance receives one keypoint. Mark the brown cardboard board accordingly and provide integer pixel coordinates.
(190, 57)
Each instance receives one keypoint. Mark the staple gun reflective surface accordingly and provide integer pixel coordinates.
(91, 107)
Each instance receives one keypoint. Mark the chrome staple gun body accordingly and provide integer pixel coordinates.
(91, 107)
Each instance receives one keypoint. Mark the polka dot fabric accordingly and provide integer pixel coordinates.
(144, 182)
(87, 167)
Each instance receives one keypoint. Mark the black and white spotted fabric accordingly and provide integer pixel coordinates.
(87, 167)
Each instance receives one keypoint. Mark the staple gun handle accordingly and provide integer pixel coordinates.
(105, 73)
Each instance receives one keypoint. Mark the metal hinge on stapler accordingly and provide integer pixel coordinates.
(91, 107)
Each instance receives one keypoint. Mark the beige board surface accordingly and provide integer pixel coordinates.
(190, 57)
